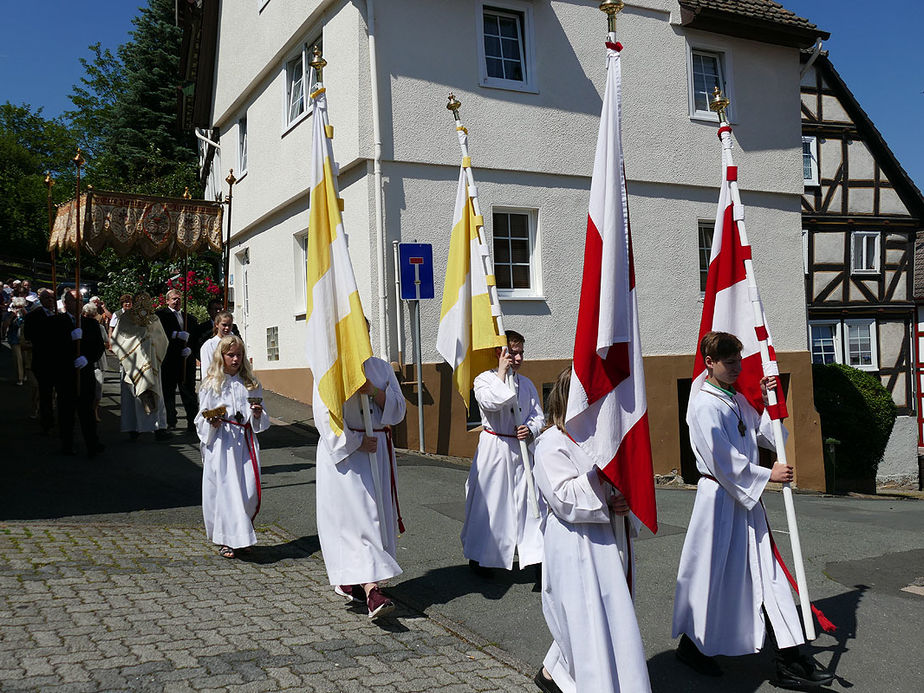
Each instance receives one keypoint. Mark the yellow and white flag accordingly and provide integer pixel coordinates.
(468, 331)
(338, 338)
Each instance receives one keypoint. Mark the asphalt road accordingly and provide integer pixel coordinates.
(864, 556)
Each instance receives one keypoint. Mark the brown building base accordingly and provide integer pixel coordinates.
(667, 380)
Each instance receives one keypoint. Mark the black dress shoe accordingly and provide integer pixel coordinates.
(801, 675)
(546, 685)
(95, 450)
(688, 653)
(161, 434)
(133, 435)
(480, 570)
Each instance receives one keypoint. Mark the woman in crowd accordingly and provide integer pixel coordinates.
(230, 415)
(588, 567)
(13, 322)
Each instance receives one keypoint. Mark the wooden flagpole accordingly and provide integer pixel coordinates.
(319, 63)
(454, 105)
(719, 103)
(49, 182)
(78, 162)
(230, 180)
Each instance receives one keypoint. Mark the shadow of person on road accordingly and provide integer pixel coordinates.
(265, 554)
(842, 610)
(443, 585)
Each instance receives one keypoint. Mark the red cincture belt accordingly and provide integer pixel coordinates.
(252, 448)
(499, 435)
(391, 469)
(826, 625)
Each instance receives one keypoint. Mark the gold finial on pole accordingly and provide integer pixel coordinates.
(49, 181)
(612, 8)
(718, 103)
(230, 180)
(78, 159)
(454, 105)
(186, 194)
(318, 63)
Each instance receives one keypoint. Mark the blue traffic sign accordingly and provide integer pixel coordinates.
(416, 263)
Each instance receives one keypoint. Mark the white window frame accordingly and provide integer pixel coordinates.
(524, 13)
(805, 251)
(855, 236)
(838, 345)
(242, 146)
(812, 141)
(304, 53)
(700, 224)
(271, 332)
(534, 292)
(870, 325)
(300, 290)
(724, 60)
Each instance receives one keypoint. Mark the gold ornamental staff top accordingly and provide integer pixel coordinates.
(78, 158)
(318, 63)
(49, 181)
(454, 105)
(719, 103)
(612, 8)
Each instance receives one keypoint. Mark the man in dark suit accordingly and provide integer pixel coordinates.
(73, 374)
(36, 330)
(179, 367)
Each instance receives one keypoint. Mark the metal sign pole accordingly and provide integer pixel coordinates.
(418, 365)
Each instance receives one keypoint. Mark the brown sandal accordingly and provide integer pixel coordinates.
(226, 552)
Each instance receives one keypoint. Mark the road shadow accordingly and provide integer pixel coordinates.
(842, 611)
(266, 554)
(443, 585)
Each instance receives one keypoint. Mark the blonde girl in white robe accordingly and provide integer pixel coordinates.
(586, 598)
(349, 527)
(230, 475)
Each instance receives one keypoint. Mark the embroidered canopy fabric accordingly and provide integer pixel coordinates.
(142, 224)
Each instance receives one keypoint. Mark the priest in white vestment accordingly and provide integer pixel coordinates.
(139, 342)
(729, 582)
(230, 449)
(588, 553)
(349, 527)
(497, 518)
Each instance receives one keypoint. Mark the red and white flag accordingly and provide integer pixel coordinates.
(730, 304)
(607, 410)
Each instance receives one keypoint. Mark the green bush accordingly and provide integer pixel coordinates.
(856, 410)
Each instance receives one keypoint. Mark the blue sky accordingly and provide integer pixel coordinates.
(874, 46)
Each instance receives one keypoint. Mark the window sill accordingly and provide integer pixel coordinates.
(240, 177)
(709, 117)
(865, 273)
(291, 126)
(868, 369)
(507, 85)
(519, 297)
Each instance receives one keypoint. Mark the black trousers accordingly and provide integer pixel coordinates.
(176, 376)
(46, 389)
(73, 405)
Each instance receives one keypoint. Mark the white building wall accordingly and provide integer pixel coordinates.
(531, 150)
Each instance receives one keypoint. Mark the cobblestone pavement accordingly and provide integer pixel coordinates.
(107, 607)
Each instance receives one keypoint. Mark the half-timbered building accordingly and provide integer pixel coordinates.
(861, 214)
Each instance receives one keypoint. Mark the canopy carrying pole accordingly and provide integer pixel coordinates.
(454, 105)
(78, 162)
(230, 180)
(49, 181)
(719, 103)
(186, 196)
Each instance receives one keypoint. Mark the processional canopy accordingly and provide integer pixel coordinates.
(138, 224)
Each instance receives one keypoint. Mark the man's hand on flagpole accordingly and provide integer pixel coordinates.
(504, 363)
(369, 444)
(523, 433)
(767, 383)
(618, 504)
(781, 473)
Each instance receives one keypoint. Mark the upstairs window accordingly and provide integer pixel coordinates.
(707, 70)
(706, 230)
(810, 160)
(299, 80)
(505, 45)
(242, 145)
(864, 252)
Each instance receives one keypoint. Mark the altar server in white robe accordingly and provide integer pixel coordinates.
(728, 583)
(497, 518)
(349, 527)
(224, 323)
(586, 596)
(139, 342)
(230, 450)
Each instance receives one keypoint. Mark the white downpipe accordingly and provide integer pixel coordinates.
(377, 178)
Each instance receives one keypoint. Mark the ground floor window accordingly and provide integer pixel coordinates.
(852, 342)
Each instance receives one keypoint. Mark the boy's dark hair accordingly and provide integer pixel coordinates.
(719, 345)
(125, 297)
(514, 337)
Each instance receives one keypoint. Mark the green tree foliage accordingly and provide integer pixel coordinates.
(30, 146)
(856, 410)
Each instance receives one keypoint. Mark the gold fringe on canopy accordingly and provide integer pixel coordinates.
(143, 224)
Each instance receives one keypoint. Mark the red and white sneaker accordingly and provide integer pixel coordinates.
(352, 593)
(379, 605)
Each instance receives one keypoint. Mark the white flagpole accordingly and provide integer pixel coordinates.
(453, 105)
(720, 103)
(365, 405)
